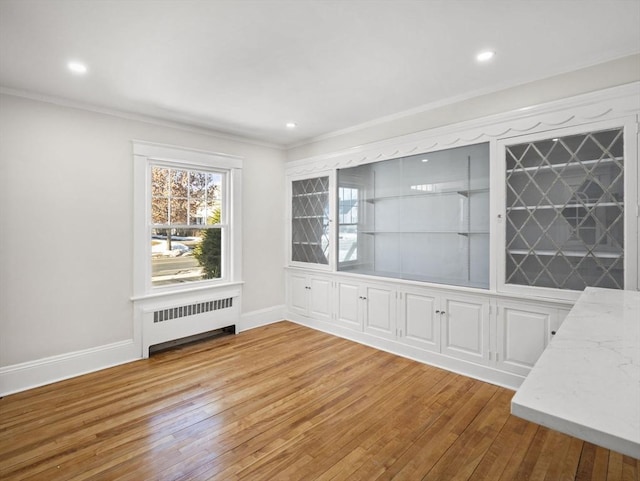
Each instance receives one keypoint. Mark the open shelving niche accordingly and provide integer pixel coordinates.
(408, 210)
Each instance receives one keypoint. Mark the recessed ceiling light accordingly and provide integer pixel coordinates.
(425, 160)
(291, 125)
(486, 55)
(77, 68)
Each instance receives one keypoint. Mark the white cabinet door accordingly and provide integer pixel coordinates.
(523, 333)
(380, 311)
(299, 293)
(419, 323)
(310, 295)
(465, 328)
(320, 306)
(348, 305)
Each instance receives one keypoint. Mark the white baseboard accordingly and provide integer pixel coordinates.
(465, 368)
(261, 317)
(27, 375)
(20, 377)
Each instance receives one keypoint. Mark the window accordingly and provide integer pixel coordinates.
(186, 220)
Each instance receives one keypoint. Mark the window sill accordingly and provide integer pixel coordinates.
(186, 291)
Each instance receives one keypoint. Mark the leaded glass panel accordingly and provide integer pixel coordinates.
(310, 220)
(565, 212)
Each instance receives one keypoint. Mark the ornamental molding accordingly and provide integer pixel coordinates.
(615, 103)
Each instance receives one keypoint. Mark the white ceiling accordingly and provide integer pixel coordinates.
(249, 66)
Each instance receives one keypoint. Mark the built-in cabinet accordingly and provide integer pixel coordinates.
(366, 307)
(455, 325)
(523, 331)
(466, 247)
(420, 319)
(349, 307)
(310, 295)
(500, 334)
(465, 327)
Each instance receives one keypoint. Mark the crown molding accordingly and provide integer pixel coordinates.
(65, 102)
(494, 89)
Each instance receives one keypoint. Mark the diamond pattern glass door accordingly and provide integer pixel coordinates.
(565, 212)
(310, 220)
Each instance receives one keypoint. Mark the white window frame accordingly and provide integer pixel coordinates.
(148, 154)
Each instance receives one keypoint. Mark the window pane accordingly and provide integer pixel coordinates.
(179, 210)
(160, 210)
(159, 182)
(160, 195)
(197, 198)
(179, 183)
(197, 212)
(185, 255)
(213, 196)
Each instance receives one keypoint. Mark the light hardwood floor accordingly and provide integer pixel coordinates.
(284, 402)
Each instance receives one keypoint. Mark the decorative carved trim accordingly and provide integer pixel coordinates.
(612, 103)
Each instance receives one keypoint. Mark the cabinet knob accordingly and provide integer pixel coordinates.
(442, 312)
(437, 312)
(553, 333)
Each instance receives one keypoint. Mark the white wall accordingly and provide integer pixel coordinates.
(617, 72)
(66, 225)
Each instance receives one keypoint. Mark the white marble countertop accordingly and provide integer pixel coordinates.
(587, 381)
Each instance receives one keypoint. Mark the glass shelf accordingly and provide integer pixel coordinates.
(310, 194)
(567, 206)
(601, 162)
(567, 253)
(428, 232)
(462, 192)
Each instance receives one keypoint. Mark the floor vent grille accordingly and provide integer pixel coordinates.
(192, 309)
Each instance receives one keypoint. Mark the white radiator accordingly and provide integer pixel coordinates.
(168, 322)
